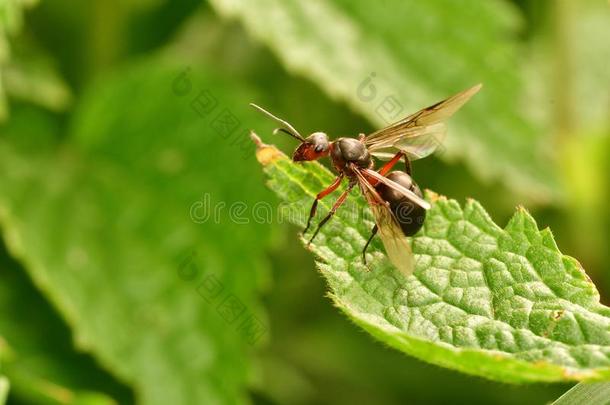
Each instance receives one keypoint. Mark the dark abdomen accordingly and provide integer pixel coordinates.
(410, 216)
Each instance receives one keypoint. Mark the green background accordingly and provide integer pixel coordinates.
(112, 292)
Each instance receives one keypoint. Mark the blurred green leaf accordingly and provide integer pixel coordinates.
(566, 72)
(568, 76)
(499, 303)
(390, 60)
(586, 393)
(45, 368)
(4, 386)
(25, 72)
(30, 76)
(588, 22)
(108, 233)
(30, 389)
(11, 22)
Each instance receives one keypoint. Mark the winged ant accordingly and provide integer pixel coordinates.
(395, 199)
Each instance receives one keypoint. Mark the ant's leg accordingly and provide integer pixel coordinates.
(373, 233)
(383, 170)
(332, 211)
(322, 194)
(407, 165)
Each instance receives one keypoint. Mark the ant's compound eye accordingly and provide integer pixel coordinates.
(319, 148)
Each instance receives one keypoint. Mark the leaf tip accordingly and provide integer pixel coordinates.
(265, 154)
(434, 197)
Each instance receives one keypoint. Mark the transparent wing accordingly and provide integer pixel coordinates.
(416, 142)
(403, 190)
(419, 128)
(395, 242)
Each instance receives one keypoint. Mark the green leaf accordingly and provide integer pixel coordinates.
(504, 304)
(4, 387)
(30, 76)
(419, 53)
(26, 72)
(586, 393)
(45, 368)
(11, 22)
(584, 64)
(105, 228)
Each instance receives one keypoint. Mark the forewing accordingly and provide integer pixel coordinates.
(395, 242)
(403, 190)
(419, 127)
(416, 142)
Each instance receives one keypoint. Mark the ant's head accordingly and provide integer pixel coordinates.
(314, 147)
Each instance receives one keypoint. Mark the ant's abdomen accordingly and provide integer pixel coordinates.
(409, 215)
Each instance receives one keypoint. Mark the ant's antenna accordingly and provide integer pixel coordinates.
(286, 127)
